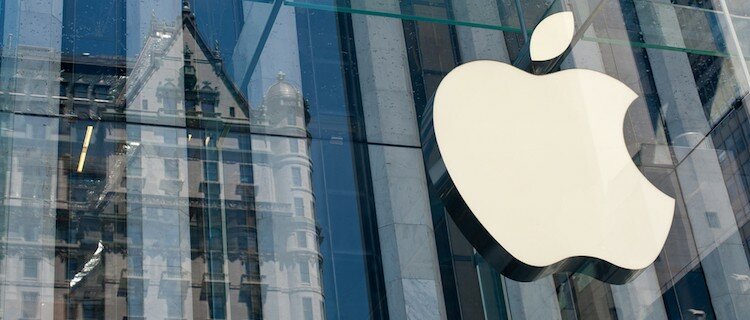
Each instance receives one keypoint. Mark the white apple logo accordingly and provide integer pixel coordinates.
(542, 181)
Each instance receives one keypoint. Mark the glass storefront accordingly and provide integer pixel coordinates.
(261, 159)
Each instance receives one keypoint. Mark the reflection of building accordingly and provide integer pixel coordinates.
(287, 236)
(167, 186)
(732, 138)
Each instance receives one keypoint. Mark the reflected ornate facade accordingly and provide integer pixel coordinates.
(170, 145)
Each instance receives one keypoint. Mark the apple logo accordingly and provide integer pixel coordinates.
(534, 169)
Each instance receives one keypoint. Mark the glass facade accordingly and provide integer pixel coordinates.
(261, 159)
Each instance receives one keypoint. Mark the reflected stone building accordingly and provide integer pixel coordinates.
(159, 215)
(287, 232)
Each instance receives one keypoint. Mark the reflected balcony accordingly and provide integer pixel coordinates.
(171, 186)
(135, 183)
(214, 279)
(245, 190)
(210, 188)
(174, 277)
(173, 282)
(250, 281)
(136, 279)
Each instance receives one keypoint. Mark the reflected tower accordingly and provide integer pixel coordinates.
(287, 232)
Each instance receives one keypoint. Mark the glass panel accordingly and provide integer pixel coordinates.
(261, 159)
(424, 10)
(699, 24)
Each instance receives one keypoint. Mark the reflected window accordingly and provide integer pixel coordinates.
(211, 171)
(293, 146)
(304, 272)
(30, 268)
(189, 105)
(40, 132)
(171, 168)
(299, 207)
(170, 104)
(307, 308)
(29, 233)
(296, 177)
(38, 87)
(170, 137)
(713, 219)
(135, 261)
(246, 173)
(301, 239)
(31, 185)
(218, 309)
(81, 90)
(135, 167)
(30, 305)
(244, 142)
(174, 307)
(90, 311)
(135, 304)
(63, 89)
(208, 107)
(101, 92)
(72, 268)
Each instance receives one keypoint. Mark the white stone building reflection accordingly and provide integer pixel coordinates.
(287, 232)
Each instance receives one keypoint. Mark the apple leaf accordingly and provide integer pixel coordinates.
(552, 36)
